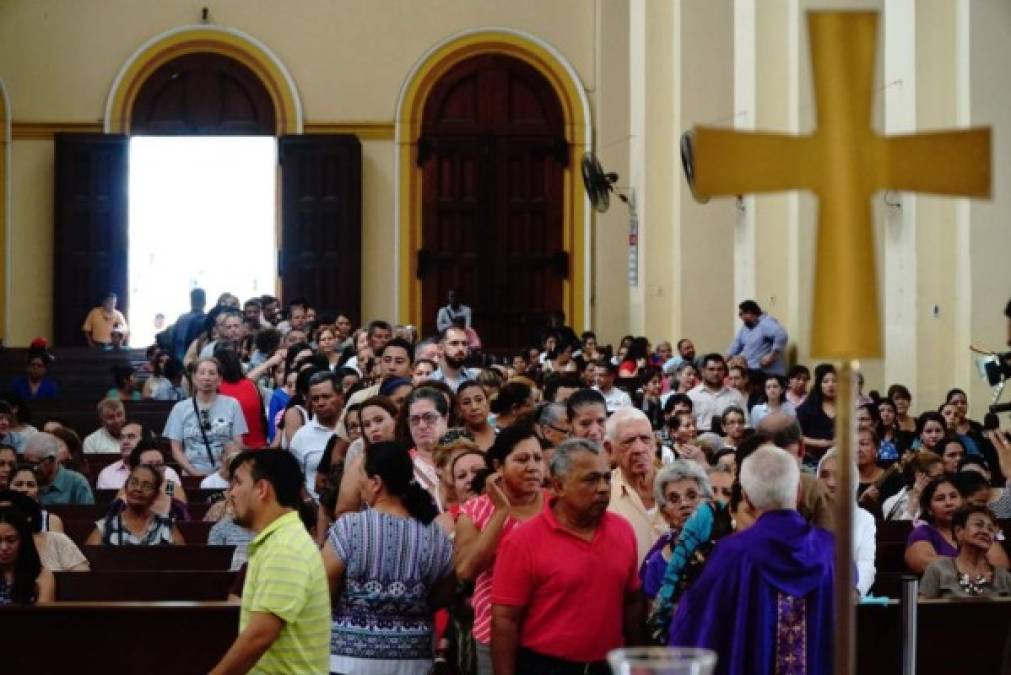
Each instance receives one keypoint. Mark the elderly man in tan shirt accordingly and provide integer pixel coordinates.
(630, 441)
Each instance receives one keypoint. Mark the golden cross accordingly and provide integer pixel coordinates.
(844, 163)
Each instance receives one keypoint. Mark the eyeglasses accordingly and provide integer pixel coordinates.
(142, 485)
(723, 492)
(560, 430)
(205, 419)
(429, 419)
(37, 465)
(689, 497)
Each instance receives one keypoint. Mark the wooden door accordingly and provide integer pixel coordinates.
(492, 155)
(203, 93)
(89, 229)
(321, 221)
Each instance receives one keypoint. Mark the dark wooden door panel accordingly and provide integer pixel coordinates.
(320, 256)
(492, 155)
(89, 228)
(203, 93)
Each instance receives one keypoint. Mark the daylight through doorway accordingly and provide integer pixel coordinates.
(202, 213)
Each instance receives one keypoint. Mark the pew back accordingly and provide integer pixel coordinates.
(154, 638)
(143, 586)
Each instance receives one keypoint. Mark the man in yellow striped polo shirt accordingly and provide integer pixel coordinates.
(284, 624)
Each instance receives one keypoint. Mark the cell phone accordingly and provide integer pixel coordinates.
(170, 488)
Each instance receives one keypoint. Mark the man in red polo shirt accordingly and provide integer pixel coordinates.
(566, 586)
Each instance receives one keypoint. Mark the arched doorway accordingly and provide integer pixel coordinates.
(493, 153)
(204, 93)
(207, 80)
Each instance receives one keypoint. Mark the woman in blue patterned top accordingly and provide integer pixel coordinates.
(389, 567)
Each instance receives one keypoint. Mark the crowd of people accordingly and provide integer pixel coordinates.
(400, 502)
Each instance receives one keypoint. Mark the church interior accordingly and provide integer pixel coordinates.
(419, 147)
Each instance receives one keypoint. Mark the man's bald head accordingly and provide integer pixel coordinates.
(784, 432)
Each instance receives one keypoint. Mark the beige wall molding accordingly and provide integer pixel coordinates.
(44, 131)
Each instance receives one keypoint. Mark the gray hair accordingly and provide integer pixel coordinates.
(769, 477)
(680, 469)
(719, 468)
(552, 413)
(42, 444)
(621, 416)
(561, 461)
(710, 442)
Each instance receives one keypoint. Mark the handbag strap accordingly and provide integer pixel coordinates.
(203, 432)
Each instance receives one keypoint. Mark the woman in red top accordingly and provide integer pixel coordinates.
(235, 384)
(512, 495)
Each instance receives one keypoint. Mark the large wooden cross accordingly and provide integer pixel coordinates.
(844, 163)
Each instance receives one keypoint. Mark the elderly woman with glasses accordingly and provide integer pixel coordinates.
(679, 488)
(133, 521)
(427, 415)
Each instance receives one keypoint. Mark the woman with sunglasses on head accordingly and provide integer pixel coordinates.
(57, 551)
(133, 522)
(23, 579)
(200, 427)
(378, 423)
(24, 480)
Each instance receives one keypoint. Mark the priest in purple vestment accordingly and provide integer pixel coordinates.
(764, 600)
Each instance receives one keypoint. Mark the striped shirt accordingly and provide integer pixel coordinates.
(480, 510)
(391, 564)
(285, 578)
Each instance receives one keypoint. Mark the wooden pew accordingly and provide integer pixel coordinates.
(139, 558)
(94, 512)
(954, 637)
(160, 638)
(195, 496)
(195, 531)
(146, 586)
(82, 417)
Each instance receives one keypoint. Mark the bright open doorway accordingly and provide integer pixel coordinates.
(202, 213)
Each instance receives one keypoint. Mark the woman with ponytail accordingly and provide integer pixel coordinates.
(389, 568)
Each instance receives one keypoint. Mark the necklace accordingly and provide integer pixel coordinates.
(972, 585)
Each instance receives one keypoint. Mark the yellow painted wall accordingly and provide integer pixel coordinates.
(989, 234)
(31, 290)
(610, 236)
(348, 60)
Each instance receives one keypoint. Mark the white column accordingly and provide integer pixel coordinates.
(900, 273)
(745, 114)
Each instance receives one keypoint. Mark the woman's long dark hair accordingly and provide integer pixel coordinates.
(391, 462)
(815, 396)
(927, 496)
(231, 366)
(28, 565)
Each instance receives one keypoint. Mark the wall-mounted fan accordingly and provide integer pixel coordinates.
(599, 185)
(688, 164)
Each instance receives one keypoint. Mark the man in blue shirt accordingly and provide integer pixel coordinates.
(57, 485)
(762, 340)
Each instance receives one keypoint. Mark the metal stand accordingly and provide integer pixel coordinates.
(845, 634)
(910, 596)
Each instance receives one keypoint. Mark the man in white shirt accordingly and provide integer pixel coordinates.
(453, 309)
(603, 377)
(114, 476)
(309, 442)
(108, 437)
(712, 397)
